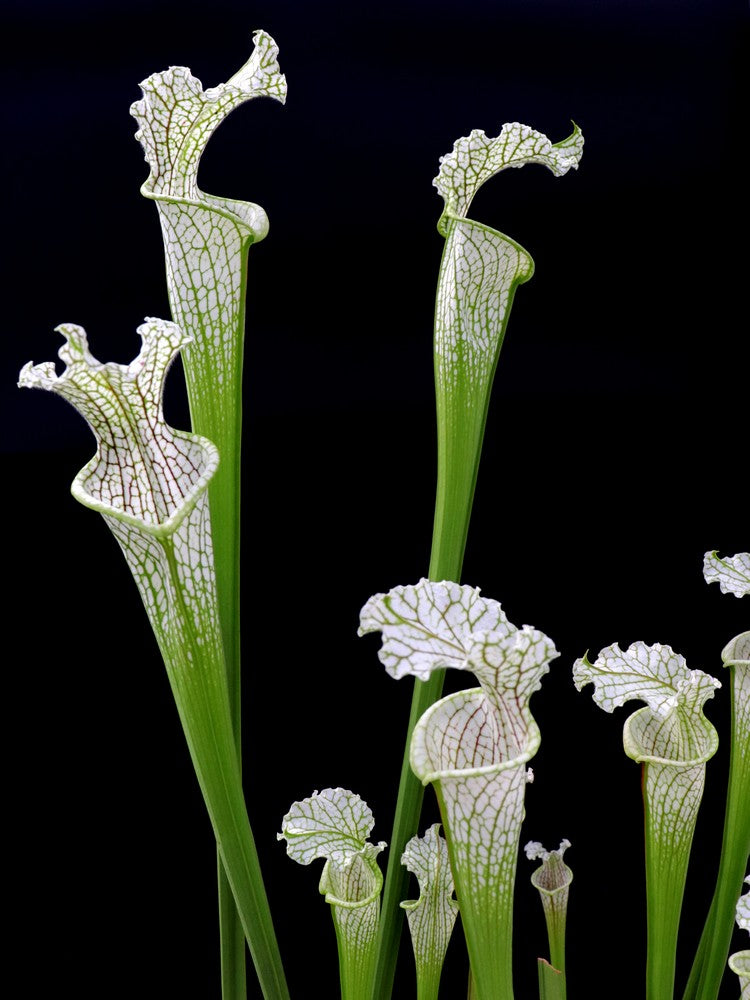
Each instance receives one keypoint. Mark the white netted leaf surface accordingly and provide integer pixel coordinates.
(672, 727)
(147, 479)
(481, 269)
(176, 116)
(206, 238)
(553, 875)
(732, 573)
(477, 157)
(431, 917)
(654, 674)
(143, 469)
(332, 824)
(429, 626)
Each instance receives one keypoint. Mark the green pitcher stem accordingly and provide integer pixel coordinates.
(551, 982)
(710, 959)
(450, 530)
(428, 985)
(232, 939)
(356, 959)
(487, 918)
(206, 240)
(224, 496)
(669, 836)
(219, 418)
(479, 272)
(456, 483)
(203, 707)
(444, 565)
(408, 808)
(556, 937)
(552, 880)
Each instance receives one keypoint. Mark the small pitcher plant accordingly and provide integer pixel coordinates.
(552, 879)
(171, 499)
(432, 917)
(334, 824)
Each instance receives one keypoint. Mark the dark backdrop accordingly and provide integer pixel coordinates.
(615, 451)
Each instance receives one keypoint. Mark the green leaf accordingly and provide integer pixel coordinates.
(206, 242)
(479, 273)
(673, 739)
(150, 483)
(552, 879)
(431, 917)
(551, 982)
(711, 955)
(732, 574)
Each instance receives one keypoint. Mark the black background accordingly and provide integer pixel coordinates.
(615, 455)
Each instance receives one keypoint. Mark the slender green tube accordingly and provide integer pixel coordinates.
(206, 241)
(356, 936)
(150, 483)
(408, 808)
(710, 960)
(479, 273)
(551, 982)
(220, 420)
(461, 418)
(669, 835)
(203, 706)
(553, 880)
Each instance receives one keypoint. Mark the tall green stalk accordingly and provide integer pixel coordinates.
(150, 483)
(711, 956)
(479, 273)
(206, 246)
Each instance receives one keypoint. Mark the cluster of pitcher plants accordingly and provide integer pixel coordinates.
(171, 499)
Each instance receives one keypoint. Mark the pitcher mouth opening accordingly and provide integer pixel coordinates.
(160, 526)
(429, 769)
